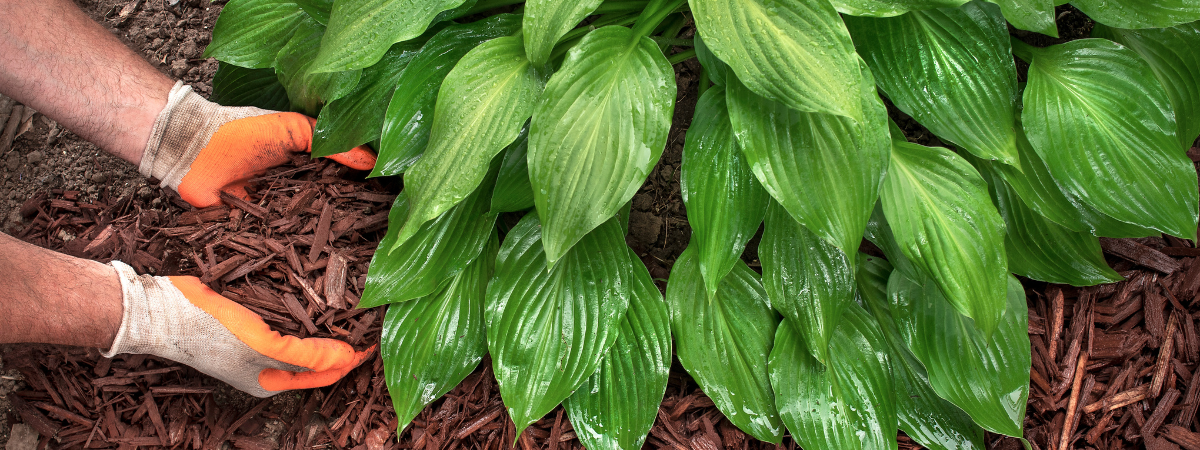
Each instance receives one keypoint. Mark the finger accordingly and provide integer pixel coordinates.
(318, 354)
(282, 380)
(237, 189)
(358, 158)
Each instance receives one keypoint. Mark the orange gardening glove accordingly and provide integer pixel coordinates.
(181, 319)
(200, 148)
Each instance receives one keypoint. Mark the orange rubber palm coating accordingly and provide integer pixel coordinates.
(245, 148)
(329, 359)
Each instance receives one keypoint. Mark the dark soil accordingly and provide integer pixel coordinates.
(1133, 340)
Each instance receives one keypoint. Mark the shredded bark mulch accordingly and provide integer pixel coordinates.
(1114, 366)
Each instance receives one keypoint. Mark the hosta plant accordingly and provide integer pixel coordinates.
(522, 129)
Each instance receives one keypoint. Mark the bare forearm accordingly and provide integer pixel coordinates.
(58, 61)
(52, 298)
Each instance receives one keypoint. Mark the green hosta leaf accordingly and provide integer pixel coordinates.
(615, 408)
(923, 415)
(725, 203)
(549, 328)
(481, 108)
(1030, 15)
(441, 249)
(807, 279)
(1172, 55)
(309, 91)
(361, 31)
(880, 234)
(724, 341)
(889, 8)
(986, 377)
(1040, 192)
(546, 21)
(432, 343)
(716, 69)
(846, 404)
(513, 191)
(410, 113)
(796, 52)
(1122, 156)
(1043, 250)
(944, 222)
(239, 86)
(824, 169)
(250, 32)
(951, 70)
(317, 9)
(356, 118)
(599, 128)
(1140, 13)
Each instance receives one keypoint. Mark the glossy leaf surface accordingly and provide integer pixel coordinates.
(356, 119)
(361, 32)
(725, 203)
(1043, 250)
(944, 222)
(309, 91)
(808, 280)
(796, 52)
(986, 377)
(1040, 192)
(824, 169)
(846, 404)
(317, 9)
(1172, 55)
(923, 415)
(546, 21)
(1030, 15)
(239, 86)
(430, 344)
(599, 128)
(513, 191)
(716, 69)
(951, 70)
(724, 341)
(440, 250)
(615, 408)
(889, 8)
(1122, 156)
(548, 329)
(249, 33)
(1140, 13)
(481, 108)
(409, 118)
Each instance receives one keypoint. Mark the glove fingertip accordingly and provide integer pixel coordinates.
(358, 158)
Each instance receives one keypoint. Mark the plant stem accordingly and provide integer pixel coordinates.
(488, 5)
(704, 83)
(682, 56)
(1022, 50)
(572, 37)
(654, 14)
(661, 40)
(620, 6)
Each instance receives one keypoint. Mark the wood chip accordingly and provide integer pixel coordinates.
(1140, 254)
(335, 281)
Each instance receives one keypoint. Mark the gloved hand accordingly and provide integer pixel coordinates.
(200, 148)
(181, 319)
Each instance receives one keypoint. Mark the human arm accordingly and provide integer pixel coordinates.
(57, 299)
(55, 59)
(58, 61)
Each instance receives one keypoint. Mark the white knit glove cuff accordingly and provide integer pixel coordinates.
(182, 130)
(158, 320)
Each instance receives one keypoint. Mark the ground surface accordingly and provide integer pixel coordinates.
(1134, 343)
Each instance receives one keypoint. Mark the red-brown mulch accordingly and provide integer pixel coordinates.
(1114, 366)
